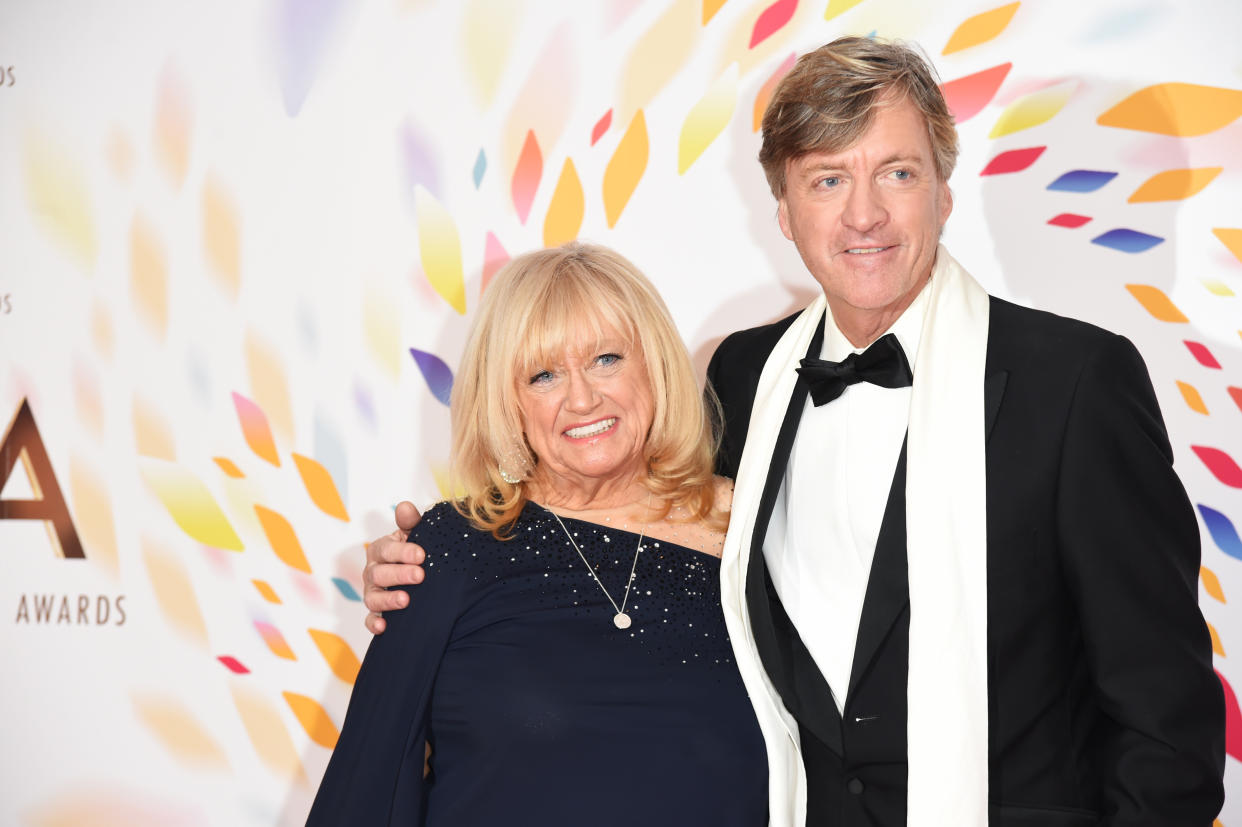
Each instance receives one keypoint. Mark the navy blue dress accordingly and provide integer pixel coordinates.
(540, 711)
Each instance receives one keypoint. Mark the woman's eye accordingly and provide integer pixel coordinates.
(606, 359)
(541, 377)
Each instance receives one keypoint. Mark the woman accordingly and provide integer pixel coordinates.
(570, 664)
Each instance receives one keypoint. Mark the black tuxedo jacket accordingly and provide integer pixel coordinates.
(1103, 704)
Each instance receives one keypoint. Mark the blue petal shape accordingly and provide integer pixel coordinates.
(347, 590)
(1127, 241)
(439, 377)
(480, 167)
(1223, 532)
(1082, 180)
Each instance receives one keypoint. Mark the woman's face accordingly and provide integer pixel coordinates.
(587, 416)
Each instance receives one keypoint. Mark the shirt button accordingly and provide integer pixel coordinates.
(855, 786)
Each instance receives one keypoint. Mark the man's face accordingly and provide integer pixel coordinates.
(867, 220)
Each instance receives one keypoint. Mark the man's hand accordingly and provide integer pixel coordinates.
(391, 561)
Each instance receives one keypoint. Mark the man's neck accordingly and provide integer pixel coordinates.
(863, 326)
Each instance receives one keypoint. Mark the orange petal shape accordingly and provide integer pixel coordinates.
(190, 504)
(836, 7)
(90, 804)
(255, 429)
(268, 735)
(86, 399)
(321, 488)
(341, 659)
(439, 249)
(174, 592)
(658, 55)
(101, 331)
(172, 126)
(222, 236)
(707, 119)
(1231, 237)
(179, 731)
(1174, 184)
(1156, 303)
(526, 176)
(275, 640)
(1033, 109)
(148, 275)
(967, 95)
(227, 466)
(1217, 647)
(282, 539)
(151, 436)
(57, 192)
(1211, 584)
(265, 589)
(1181, 109)
(710, 7)
(267, 382)
(92, 514)
(765, 91)
(1193, 400)
(120, 154)
(980, 28)
(564, 217)
(314, 719)
(625, 168)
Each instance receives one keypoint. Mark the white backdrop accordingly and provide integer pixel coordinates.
(225, 227)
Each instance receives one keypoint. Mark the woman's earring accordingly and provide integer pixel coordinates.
(507, 477)
(513, 458)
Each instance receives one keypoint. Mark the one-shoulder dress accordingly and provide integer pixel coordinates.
(539, 710)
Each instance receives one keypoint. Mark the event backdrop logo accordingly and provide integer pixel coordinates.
(23, 442)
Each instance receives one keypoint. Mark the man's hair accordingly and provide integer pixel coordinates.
(827, 102)
(538, 308)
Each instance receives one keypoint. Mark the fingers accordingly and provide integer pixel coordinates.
(381, 600)
(407, 516)
(375, 623)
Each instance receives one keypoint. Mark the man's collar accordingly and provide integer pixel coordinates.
(908, 328)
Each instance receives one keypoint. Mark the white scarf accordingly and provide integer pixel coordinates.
(946, 541)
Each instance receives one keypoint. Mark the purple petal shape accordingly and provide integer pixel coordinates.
(1082, 180)
(420, 165)
(1127, 241)
(362, 401)
(439, 377)
(304, 28)
(1223, 532)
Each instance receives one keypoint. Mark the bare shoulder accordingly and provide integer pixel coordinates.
(724, 494)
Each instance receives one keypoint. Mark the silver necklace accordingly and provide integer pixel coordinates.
(621, 620)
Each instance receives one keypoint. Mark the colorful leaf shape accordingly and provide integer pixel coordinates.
(438, 376)
(267, 734)
(268, 384)
(173, 126)
(148, 275)
(526, 176)
(1181, 109)
(488, 29)
(1231, 237)
(340, 658)
(439, 249)
(227, 466)
(233, 664)
(275, 640)
(347, 591)
(1155, 302)
(1082, 180)
(255, 429)
(382, 328)
(152, 437)
(707, 118)
(1233, 720)
(836, 7)
(283, 540)
(1217, 647)
(1015, 160)
(1068, 219)
(1222, 466)
(190, 504)
(313, 718)
(1222, 531)
(769, 86)
(174, 592)
(1174, 185)
(1217, 287)
(980, 28)
(771, 19)
(1211, 584)
(1033, 109)
(303, 33)
(564, 218)
(1126, 240)
(710, 7)
(265, 589)
(222, 236)
(601, 126)
(966, 96)
(1236, 393)
(320, 487)
(1202, 355)
(418, 160)
(56, 188)
(625, 168)
(1194, 400)
(92, 511)
(480, 167)
(494, 257)
(179, 731)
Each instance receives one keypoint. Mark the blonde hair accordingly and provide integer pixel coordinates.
(828, 99)
(538, 307)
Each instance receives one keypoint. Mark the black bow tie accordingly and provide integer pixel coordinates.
(883, 364)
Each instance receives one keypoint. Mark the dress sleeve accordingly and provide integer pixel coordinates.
(375, 775)
(1131, 553)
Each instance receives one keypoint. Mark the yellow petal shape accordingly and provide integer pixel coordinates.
(92, 515)
(707, 119)
(314, 719)
(487, 32)
(282, 539)
(625, 168)
(267, 381)
(1193, 400)
(179, 731)
(1156, 303)
(269, 594)
(658, 55)
(320, 487)
(152, 437)
(1231, 237)
(341, 659)
(227, 466)
(172, 126)
(1033, 109)
(222, 236)
(710, 7)
(56, 190)
(381, 324)
(1174, 184)
(190, 504)
(268, 735)
(174, 592)
(836, 7)
(564, 217)
(1217, 647)
(439, 248)
(148, 274)
(980, 28)
(1181, 109)
(1217, 287)
(1211, 584)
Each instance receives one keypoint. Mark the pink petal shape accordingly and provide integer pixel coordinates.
(1220, 464)
(1202, 354)
(1233, 720)
(772, 18)
(233, 664)
(494, 257)
(1015, 160)
(601, 126)
(526, 176)
(1069, 219)
(968, 95)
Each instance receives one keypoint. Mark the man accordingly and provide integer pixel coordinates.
(962, 596)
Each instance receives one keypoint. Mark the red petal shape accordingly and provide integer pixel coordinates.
(1015, 160)
(601, 126)
(1236, 393)
(233, 664)
(1201, 353)
(967, 96)
(1220, 464)
(1069, 219)
(526, 176)
(1233, 720)
(772, 18)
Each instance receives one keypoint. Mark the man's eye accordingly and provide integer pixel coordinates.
(901, 174)
(829, 182)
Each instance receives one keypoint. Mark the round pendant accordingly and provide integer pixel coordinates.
(621, 621)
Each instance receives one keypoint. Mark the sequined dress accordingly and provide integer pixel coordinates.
(541, 711)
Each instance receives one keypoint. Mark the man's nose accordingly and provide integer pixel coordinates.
(864, 208)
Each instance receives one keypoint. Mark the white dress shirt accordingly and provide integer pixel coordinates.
(828, 513)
